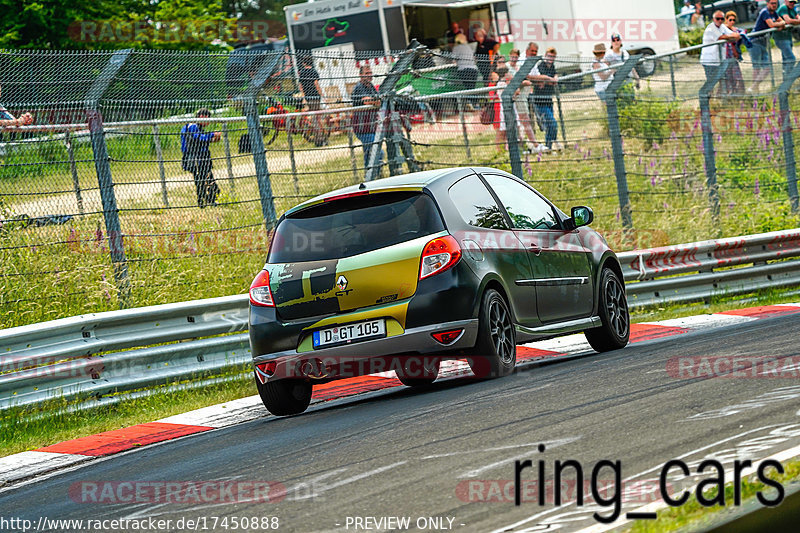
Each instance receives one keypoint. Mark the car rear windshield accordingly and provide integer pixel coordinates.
(352, 226)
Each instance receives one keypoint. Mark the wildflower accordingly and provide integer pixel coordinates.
(757, 189)
(655, 146)
(653, 181)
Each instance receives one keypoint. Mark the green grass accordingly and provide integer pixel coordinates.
(693, 516)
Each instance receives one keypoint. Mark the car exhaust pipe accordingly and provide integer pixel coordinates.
(314, 369)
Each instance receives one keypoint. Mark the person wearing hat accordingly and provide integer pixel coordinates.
(601, 79)
(617, 55)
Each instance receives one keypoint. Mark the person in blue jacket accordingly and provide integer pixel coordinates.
(195, 143)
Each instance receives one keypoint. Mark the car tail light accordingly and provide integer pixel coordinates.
(265, 370)
(260, 294)
(439, 255)
(447, 337)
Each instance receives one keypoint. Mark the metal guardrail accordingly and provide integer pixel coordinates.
(111, 355)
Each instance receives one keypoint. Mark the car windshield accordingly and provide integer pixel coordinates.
(353, 226)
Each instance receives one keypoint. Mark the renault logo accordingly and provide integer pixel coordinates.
(341, 283)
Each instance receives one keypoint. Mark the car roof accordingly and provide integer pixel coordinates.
(415, 181)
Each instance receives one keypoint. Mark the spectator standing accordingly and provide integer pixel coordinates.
(762, 64)
(195, 145)
(601, 79)
(617, 55)
(466, 68)
(365, 122)
(483, 53)
(783, 38)
(521, 103)
(451, 34)
(310, 87)
(697, 19)
(715, 32)
(544, 80)
(734, 83)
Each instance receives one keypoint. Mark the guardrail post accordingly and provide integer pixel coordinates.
(103, 169)
(227, 142)
(708, 138)
(460, 106)
(74, 170)
(507, 98)
(385, 92)
(250, 98)
(615, 134)
(788, 137)
(771, 62)
(290, 142)
(160, 158)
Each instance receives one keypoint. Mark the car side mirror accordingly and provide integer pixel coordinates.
(581, 216)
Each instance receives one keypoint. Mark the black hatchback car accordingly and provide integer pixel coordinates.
(403, 272)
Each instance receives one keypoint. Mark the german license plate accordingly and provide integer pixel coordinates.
(358, 331)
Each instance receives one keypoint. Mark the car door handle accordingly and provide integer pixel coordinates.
(535, 249)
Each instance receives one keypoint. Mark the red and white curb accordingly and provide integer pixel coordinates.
(26, 465)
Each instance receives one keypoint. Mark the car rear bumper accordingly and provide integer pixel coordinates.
(369, 356)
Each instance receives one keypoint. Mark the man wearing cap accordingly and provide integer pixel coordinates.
(716, 32)
(783, 38)
(601, 79)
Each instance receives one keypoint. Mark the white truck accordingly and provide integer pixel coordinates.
(374, 28)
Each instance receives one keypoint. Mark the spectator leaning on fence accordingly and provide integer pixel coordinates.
(617, 55)
(783, 38)
(767, 18)
(601, 79)
(734, 83)
(197, 157)
(7, 120)
(365, 122)
(544, 80)
(716, 32)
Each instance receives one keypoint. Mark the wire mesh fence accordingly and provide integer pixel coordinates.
(102, 208)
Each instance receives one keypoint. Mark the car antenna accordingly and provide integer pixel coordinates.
(362, 186)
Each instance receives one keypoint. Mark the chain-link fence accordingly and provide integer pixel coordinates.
(120, 195)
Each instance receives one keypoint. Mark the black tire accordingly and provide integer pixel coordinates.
(613, 311)
(284, 397)
(270, 131)
(646, 68)
(495, 352)
(418, 375)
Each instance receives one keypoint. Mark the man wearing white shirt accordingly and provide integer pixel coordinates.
(710, 56)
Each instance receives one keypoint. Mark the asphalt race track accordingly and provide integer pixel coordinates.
(443, 453)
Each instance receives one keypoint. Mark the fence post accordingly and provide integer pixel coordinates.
(352, 147)
(385, 92)
(771, 63)
(227, 141)
(708, 138)
(510, 117)
(561, 116)
(250, 98)
(160, 157)
(103, 169)
(788, 137)
(74, 169)
(672, 77)
(290, 141)
(460, 105)
(615, 134)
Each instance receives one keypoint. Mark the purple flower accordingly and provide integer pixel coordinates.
(655, 145)
(653, 181)
(771, 154)
(719, 137)
(757, 189)
(731, 205)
